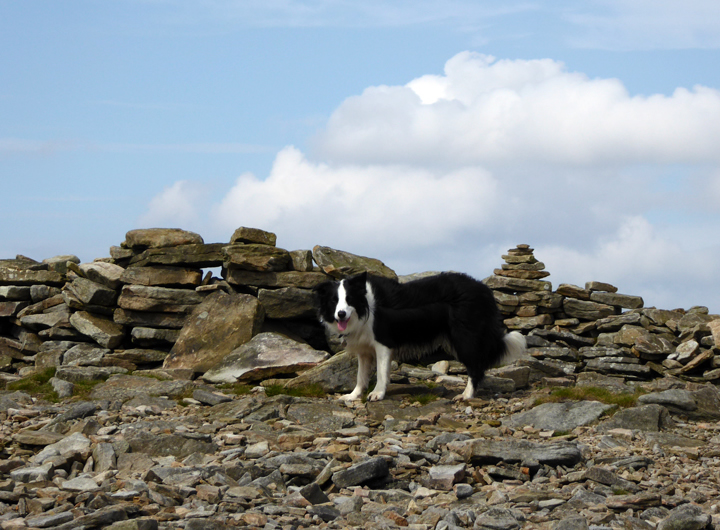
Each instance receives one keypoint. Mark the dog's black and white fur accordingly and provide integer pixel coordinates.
(381, 319)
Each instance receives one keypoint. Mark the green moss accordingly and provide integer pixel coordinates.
(312, 390)
(423, 399)
(239, 389)
(83, 389)
(37, 385)
(621, 400)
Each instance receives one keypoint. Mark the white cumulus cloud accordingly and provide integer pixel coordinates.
(484, 111)
(380, 207)
(177, 205)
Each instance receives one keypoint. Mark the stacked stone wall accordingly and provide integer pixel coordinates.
(139, 309)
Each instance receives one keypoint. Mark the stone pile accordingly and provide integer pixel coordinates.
(521, 293)
(576, 330)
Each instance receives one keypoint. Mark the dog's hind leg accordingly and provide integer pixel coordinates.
(469, 392)
(365, 361)
(383, 356)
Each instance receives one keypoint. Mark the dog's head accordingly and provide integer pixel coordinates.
(341, 304)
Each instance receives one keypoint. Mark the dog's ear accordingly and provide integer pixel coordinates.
(358, 281)
(323, 288)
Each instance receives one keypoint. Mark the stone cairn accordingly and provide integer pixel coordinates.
(597, 329)
(158, 443)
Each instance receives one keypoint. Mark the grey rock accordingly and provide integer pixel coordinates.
(619, 300)
(210, 398)
(150, 319)
(253, 236)
(102, 330)
(92, 293)
(104, 457)
(162, 276)
(80, 484)
(685, 517)
(586, 310)
(198, 256)
(158, 299)
(517, 284)
(102, 272)
(362, 472)
(674, 399)
(45, 521)
(177, 445)
(571, 523)
(32, 474)
(302, 260)
(340, 264)
(265, 355)
(274, 280)
(149, 337)
(160, 237)
(337, 374)
(480, 451)
(287, 302)
(646, 418)
(85, 355)
(603, 475)
(559, 416)
(216, 327)
(260, 258)
(63, 389)
(77, 374)
(444, 477)
(125, 387)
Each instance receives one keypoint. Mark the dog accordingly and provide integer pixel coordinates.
(381, 319)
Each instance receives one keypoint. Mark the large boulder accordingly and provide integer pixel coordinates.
(216, 327)
(265, 355)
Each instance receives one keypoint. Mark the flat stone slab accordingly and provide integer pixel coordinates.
(126, 387)
(482, 451)
(559, 416)
(265, 355)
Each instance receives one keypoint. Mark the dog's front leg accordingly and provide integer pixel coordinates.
(363, 377)
(383, 356)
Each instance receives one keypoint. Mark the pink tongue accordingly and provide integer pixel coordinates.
(342, 325)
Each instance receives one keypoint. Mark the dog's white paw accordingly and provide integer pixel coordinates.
(353, 396)
(465, 396)
(376, 396)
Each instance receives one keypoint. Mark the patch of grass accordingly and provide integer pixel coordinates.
(621, 400)
(37, 385)
(423, 399)
(312, 390)
(83, 389)
(239, 389)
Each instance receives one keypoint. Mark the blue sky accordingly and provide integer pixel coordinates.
(431, 135)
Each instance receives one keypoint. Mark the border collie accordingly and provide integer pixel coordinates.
(381, 319)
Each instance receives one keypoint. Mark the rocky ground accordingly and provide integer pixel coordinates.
(140, 453)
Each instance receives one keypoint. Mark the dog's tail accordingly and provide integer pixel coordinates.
(515, 346)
